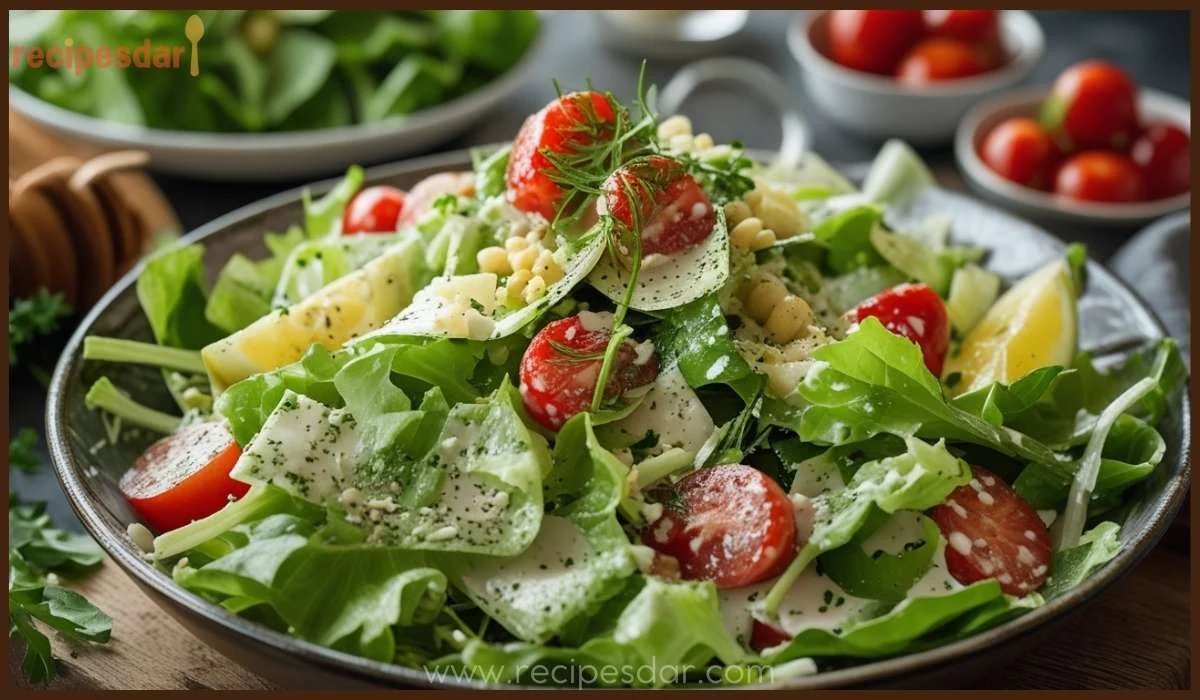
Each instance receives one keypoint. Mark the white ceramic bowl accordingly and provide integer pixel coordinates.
(291, 155)
(880, 107)
(1045, 208)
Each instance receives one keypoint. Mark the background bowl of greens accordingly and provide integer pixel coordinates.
(280, 94)
(1112, 318)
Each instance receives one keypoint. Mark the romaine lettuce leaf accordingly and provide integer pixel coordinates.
(1070, 567)
(282, 563)
(477, 488)
(920, 478)
(171, 292)
(580, 557)
(892, 632)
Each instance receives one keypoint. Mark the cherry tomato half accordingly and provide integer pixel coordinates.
(374, 210)
(991, 532)
(562, 364)
(672, 209)
(873, 40)
(1093, 105)
(184, 476)
(730, 524)
(1163, 152)
(916, 312)
(1100, 176)
(1020, 150)
(937, 59)
(563, 127)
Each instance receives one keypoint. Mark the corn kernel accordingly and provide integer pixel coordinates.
(523, 259)
(547, 267)
(493, 259)
(675, 126)
(736, 212)
(516, 243)
(516, 283)
(763, 239)
(764, 296)
(680, 143)
(742, 235)
(753, 198)
(789, 320)
(534, 290)
(702, 142)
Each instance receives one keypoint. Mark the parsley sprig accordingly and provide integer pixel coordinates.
(32, 317)
(37, 554)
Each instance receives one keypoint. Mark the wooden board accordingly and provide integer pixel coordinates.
(1135, 636)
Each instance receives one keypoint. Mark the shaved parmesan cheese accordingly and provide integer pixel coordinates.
(681, 278)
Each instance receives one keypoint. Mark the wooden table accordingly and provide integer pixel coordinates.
(1135, 636)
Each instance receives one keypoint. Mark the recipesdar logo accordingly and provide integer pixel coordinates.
(77, 57)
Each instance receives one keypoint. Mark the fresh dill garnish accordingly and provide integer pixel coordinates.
(721, 177)
(32, 317)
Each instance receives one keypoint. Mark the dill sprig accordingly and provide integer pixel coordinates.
(598, 147)
(723, 177)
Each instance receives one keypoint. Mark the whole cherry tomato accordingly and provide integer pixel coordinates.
(1093, 105)
(1100, 176)
(374, 210)
(937, 59)
(1020, 150)
(1163, 152)
(972, 26)
(563, 129)
(873, 40)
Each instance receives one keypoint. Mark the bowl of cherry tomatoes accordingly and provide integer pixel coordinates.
(911, 74)
(1093, 149)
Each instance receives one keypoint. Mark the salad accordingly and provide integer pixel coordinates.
(269, 70)
(629, 407)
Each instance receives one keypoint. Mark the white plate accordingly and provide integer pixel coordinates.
(1044, 207)
(249, 157)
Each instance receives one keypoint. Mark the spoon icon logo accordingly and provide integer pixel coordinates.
(194, 30)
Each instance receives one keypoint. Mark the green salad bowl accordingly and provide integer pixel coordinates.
(1112, 318)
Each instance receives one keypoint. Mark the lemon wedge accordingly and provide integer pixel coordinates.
(1032, 325)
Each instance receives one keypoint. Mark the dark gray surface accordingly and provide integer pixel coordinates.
(1152, 46)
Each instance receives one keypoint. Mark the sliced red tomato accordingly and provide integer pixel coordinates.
(937, 59)
(730, 524)
(1021, 150)
(563, 127)
(421, 197)
(656, 195)
(1163, 152)
(1093, 105)
(991, 532)
(561, 366)
(916, 312)
(374, 210)
(873, 40)
(973, 26)
(184, 476)
(1100, 176)
(765, 636)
